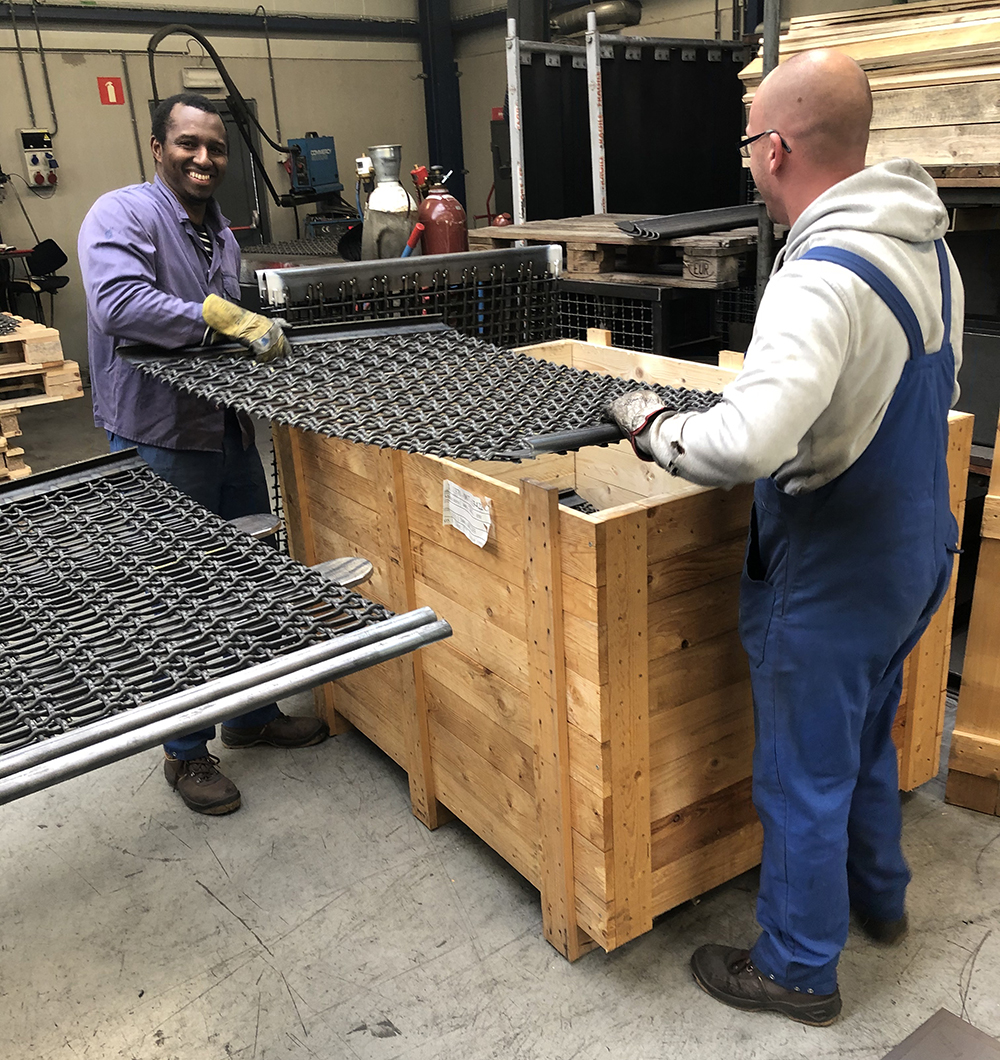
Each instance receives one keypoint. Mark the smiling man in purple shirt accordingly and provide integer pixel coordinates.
(153, 256)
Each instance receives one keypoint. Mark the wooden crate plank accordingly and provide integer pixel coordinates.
(495, 808)
(649, 367)
(628, 722)
(588, 759)
(502, 553)
(480, 591)
(592, 916)
(940, 146)
(972, 792)
(701, 870)
(546, 658)
(698, 520)
(617, 465)
(677, 622)
(697, 825)
(584, 701)
(701, 759)
(689, 570)
(687, 675)
(494, 744)
(394, 532)
(480, 688)
(581, 645)
(479, 638)
(594, 870)
(591, 815)
(380, 730)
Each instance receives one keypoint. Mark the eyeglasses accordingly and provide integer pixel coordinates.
(745, 144)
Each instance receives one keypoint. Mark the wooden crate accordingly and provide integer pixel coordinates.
(974, 759)
(591, 716)
(597, 249)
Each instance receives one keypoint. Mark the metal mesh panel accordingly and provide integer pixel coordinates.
(322, 246)
(116, 589)
(630, 320)
(429, 391)
(508, 306)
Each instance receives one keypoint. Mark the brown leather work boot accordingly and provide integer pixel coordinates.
(730, 977)
(202, 787)
(282, 731)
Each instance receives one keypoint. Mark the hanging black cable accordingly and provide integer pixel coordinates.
(270, 69)
(20, 56)
(45, 71)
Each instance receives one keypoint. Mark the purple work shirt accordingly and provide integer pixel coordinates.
(146, 277)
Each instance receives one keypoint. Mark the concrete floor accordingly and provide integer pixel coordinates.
(322, 920)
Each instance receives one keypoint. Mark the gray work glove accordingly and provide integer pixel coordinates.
(634, 412)
(262, 337)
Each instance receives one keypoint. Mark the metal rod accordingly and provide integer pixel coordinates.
(765, 229)
(596, 105)
(539, 47)
(73, 765)
(16, 761)
(514, 122)
(567, 441)
(131, 109)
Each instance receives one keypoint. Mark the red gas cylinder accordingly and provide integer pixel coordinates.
(441, 214)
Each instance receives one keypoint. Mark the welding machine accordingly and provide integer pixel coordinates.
(314, 165)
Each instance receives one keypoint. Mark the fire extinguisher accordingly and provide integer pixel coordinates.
(441, 214)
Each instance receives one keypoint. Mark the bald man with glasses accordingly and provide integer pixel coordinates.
(839, 417)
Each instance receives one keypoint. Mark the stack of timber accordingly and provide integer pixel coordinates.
(12, 465)
(934, 70)
(596, 249)
(32, 368)
(590, 718)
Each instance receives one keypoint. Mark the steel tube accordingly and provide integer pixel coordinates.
(596, 106)
(538, 47)
(72, 765)
(190, 698)
(567, 441)
(514, 122)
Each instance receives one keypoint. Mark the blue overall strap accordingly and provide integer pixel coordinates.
(882, 286)
(945, 271)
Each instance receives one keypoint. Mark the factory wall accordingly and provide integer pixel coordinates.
(361, 93)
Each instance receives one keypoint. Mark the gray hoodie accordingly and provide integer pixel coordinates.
(826, 352)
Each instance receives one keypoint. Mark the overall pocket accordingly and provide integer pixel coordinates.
(757, 596)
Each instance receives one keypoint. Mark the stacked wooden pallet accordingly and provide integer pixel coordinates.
(934, 69)
(597, 249)
(32, 368)
(12, 463)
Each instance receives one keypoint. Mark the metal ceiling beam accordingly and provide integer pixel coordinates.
(219, 21)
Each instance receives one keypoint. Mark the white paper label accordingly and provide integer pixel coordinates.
(467, 512)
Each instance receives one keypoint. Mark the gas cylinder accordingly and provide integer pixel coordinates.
(441, 214)
(390, 213)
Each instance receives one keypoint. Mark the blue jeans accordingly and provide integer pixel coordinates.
(230, 483)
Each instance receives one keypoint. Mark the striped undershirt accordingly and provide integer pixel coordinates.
(205, 238)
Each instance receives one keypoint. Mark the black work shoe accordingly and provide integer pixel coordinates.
(202, 787)
(882, 932)
(730, 977)
(282, 731)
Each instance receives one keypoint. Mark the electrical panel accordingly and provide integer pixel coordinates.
(41, 169)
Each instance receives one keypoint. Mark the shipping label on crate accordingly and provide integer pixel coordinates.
(466, 512)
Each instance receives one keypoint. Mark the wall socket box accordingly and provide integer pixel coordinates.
(41, 169)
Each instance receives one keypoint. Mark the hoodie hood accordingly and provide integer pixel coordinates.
(897, 198)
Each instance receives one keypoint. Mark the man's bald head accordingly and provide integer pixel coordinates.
(817, 108)
(820, 101)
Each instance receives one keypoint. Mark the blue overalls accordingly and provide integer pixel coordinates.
(838, 586)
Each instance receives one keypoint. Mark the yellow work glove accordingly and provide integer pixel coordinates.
(262, 337)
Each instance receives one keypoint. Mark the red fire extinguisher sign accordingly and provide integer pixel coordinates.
(112, 93)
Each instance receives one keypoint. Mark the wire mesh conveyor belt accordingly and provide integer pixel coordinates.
(119, 592)
(424, 389)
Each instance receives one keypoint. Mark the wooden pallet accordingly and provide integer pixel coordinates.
(596, 249)
(12, 465)
(33, 370)
(934, 69)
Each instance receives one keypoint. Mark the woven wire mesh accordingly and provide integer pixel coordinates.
(320, 247)
(8, 325)
(511, 306)
(117, 589)
(630, 320)
(434, 392)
